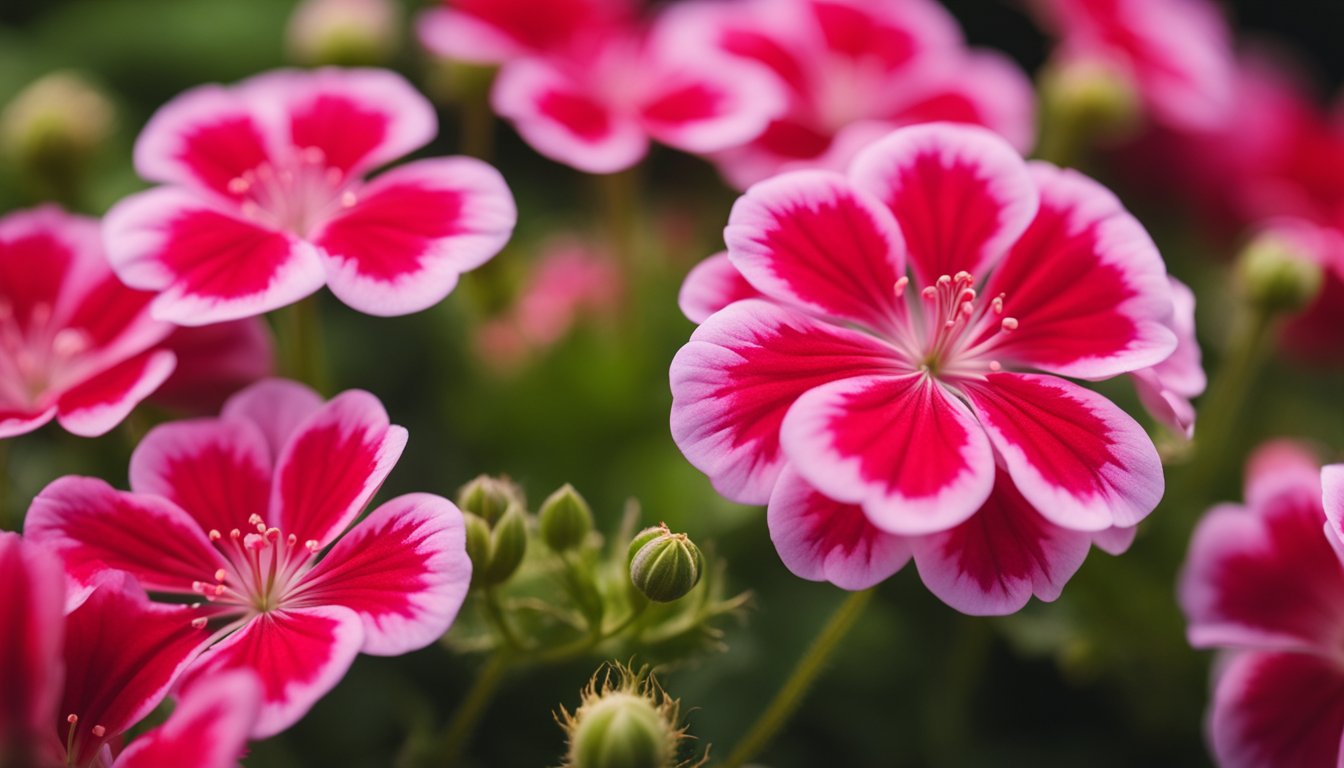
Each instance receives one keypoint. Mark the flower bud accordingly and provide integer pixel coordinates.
(478, 545)
(565, 519)
(489, 497)
(1092, 96)
(508, 544)
(51, 130)
(666, 566)
(628, 723)
(343, 32)
(1278, 271)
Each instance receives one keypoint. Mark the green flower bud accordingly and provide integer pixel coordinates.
(489, 497)
(344, 32)
(666, 567)
(644, 537)
(52, 129)
(565, 519)
(1093, 96)
(478, 545)
(508, 544)
(628, 722)
(1277, 273)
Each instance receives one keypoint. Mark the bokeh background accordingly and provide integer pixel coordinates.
(1102, 677)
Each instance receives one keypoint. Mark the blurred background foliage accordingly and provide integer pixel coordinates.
(1102, 677)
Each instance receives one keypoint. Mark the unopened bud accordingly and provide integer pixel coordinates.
(52, 128)
(344, 32)
(626, 723)
(1278, 272)
(508, 544)
(666, 566)
(489, 497)
(565, 519)
(478, 545)
(1091, 97)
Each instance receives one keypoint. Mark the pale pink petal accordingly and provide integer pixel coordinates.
(215, 361)
(709, 103)
(207, 265)
(95, 527)
(1081, 461)
(961, 195)
(812, 238)
(982, 88)
(299, 655)
(332, 465)
(735, 379)
(402, 245)
(122, 655)
(216, 470)
(1278, 709)
(404, 569)
(899, 445)
(1332, 496)
(994, 562)
(1264, 577)
(1115, 540)
(356, 118)
(208, 729)
(94, 407)
(563, 120)
(276, 406)
(21, 422)
(1282, 468)
(821, 539)
(205, 137)
(712, 285)
(1085, 262)
(1171, 410)
(30, 646)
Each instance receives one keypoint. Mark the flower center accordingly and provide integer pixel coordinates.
(35, 354)
(261, 567)
(74, 740)
(952, 331)
(296, 196)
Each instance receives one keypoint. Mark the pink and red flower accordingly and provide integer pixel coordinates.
(77, 672)
(882, 387)
(1262, 580)
(248, 512)
(264, 200)
(853, 70)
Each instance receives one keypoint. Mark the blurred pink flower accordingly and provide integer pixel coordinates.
(1165, 389)
(499, 31)
(1262, 581)
(77, 672)
(249, 512)
(853, 70)
(883, 413)
(264, 200)
(215, 361)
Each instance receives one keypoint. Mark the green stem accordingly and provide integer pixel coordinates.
(457, 735)
(573, 650)
(619, 193)
(495, 613)
(790, 696)
(7, 518)
(478, 127)
(302, 345)
(945, 710)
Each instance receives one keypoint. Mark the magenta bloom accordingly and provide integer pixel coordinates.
(1263, 581)
(880, 397)
(265, 200)
(75, 677)
(853, 70)
(499, 31)
(1177, 54)
(248, 512)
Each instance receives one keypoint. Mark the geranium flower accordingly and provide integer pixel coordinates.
(75, 678)
(247, 513)
(1165, 389)
(854, 70)
(265, 200)
(215, 361)
(499, 31)
(1262, 580)
(883, 386)
(1176, 54)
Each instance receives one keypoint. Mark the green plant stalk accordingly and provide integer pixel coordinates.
(7, 517)
(302, 344)
(457, 735)
(790, 696)
(478, 127)
(495, 613)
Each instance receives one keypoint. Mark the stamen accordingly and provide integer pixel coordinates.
(99, 731)
(1009, 324)
(901, 283)
(199, 622)
(348, 200)
(995, 366)
(239, 185)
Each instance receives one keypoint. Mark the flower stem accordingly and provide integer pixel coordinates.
(457, 736)
(790, 696)
(495, 613)
(619, 193)
(302, 344)
(7, 521)
(478, 128)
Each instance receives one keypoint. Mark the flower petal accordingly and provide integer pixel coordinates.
(708, 104)
(30, 646)
(562, 120)
(1332, 496)
(208, 729)
(812, 238)
(1085, 262)
(216, 470)
(1278, 709)
(122, 654)
(299, 655)
(821, 539)
(20, 422)
(404, 569)
(498, 31)
(357, 118)
(994, 562)
(205, 137)
(332, 465)
(1080, 460)
(401, 247)
(95, 527)
(977, 87)
(741, 371)
(899, 445)
(213, 362)
(207, 265)
(94, 407)
(961, 195)
(276, 406)
(712, 285)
